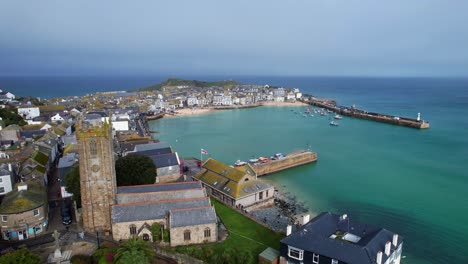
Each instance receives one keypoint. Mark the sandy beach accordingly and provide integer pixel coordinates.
(190, 112)
(200, 111)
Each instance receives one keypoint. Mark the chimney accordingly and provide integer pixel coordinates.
(388, 246)
(379, 257)
(288, 230)
(395, 240)
(305, 219)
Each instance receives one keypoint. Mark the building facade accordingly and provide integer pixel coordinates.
(97, 174)
(24, 212)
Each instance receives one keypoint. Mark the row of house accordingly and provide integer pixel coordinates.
(25, 176)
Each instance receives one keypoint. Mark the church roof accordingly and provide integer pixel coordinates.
(131, 212)
(192, 216)
(159, 187)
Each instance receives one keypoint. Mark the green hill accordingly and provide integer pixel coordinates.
(180, 82)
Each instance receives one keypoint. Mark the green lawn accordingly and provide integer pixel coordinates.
(246, 237)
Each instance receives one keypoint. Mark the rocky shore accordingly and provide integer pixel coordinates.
(287, 211)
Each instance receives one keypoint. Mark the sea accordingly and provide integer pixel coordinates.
(410, 181)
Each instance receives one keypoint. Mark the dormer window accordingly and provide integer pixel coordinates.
(295, 253)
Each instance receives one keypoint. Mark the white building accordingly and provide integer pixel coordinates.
(191, 101)
(29, 112)
(121, 125)
(7, 179)
(56, 118)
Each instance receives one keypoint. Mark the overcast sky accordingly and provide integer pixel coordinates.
(252, 37)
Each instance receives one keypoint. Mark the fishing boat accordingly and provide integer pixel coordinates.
(239, 163)
(333, 123)
(338, 117)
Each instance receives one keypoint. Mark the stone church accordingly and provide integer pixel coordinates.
(129, 211)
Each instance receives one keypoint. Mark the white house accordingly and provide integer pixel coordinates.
(7, 179)
(192, 100)
(29, 112)
(56, 118)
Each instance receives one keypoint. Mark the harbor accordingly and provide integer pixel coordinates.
(264, 166)
(362, 114)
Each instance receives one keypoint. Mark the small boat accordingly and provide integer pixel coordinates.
(239, 163)
(338, 117)
(253, 160)
(333, 123)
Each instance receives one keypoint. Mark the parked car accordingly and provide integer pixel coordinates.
(65, 212)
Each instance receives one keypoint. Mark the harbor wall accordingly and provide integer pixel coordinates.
(292, 160)
(383, 118)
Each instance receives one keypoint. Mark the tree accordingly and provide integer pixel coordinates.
(135, 169)
(72, 184)
(20, 256)
(156, 232)
(11, 116)
(134, 250)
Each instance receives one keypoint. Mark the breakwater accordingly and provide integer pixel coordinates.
(226, 107)
(291, 160)
(362, 114)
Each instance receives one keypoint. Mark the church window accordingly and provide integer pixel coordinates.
(187, 235)
(146, 237)
(93, 148)
(133, 230)
(207, 232)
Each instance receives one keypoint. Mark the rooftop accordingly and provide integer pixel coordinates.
(342, 238)
(192, 216)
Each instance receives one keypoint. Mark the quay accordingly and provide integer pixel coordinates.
(226, 107)
(378, 117)
(265, 166)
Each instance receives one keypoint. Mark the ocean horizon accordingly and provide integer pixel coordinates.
(412, 182)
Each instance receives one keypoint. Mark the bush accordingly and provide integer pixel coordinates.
(81, 259)
(166, 236)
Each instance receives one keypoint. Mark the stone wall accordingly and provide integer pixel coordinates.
(197, 234)
(121, 231)
(25, 222)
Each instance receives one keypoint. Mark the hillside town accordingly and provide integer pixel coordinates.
(42, 141)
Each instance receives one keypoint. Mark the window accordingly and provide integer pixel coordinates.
(187, 235)
(315, 258)
(2, 189)
(266, 194)
(260, 196)
(146, 237)
(1, 179)
(36, 212)
(295, 253)
(207, 232)
(92, 147)
(133, 230)
(4, 218)
(334, 261)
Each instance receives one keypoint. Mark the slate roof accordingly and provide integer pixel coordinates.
(166, 160)
(130, 145)
(32, 133)
(41, 158)
(151, 146)
(154, 152)
(315, 237)
(192, 216)
(159, 187)
(270, 254)
(153, 210)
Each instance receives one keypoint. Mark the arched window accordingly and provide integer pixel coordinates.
(207, 232)
(133, 230)
(187, 235)
(146, 237)
(93, 148)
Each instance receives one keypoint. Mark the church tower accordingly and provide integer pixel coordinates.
(97, 174)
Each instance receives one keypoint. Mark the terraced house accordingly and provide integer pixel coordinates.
(24, 212)
(236, 187)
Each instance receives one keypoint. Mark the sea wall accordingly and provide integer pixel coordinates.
(292, 160)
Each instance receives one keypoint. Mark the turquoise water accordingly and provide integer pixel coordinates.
(413, 182)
